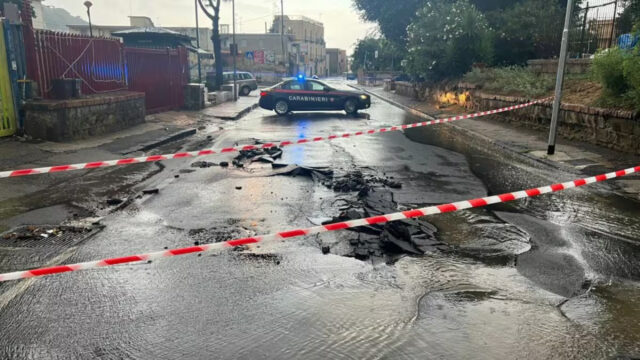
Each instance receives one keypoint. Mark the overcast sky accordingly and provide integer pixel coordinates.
(342, 24)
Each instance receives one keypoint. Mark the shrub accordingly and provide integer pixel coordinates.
(631, 71)
(608, 69)
(619, 73)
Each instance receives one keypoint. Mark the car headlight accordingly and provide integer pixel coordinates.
(364, 97)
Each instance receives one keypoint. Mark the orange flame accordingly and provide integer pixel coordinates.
(451, 98)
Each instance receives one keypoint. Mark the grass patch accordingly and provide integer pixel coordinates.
(512, 80)
(583, 89)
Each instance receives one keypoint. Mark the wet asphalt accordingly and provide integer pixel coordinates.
(551, 277)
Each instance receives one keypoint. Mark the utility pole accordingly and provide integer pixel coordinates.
(559, 80)
(284, 57)
(198, 44)
(235, 55)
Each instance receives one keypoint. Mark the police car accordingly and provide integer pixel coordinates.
(312, 95)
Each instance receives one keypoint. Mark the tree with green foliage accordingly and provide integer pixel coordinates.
(630, 18)
(389, 56)
(392, 18)
(499, 5)
(446, 39)
(530, 29)
(522, 30)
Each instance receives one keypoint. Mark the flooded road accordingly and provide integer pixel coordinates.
(555, 276)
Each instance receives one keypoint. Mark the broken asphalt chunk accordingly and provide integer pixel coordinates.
(202, 164)
(316, 173)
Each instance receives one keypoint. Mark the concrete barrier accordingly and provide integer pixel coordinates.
(219, 97)
(72, 119)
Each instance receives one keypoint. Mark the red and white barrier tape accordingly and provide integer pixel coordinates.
(192, 154)
(322, 228)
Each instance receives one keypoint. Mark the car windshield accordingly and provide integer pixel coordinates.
(319, 179)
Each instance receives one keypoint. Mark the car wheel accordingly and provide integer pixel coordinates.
(350, 107)
(245, 91)
(281, 107)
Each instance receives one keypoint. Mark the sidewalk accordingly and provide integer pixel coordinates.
(87, 190)
(233, 110)
(574, 156)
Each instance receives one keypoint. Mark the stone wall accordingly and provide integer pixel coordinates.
(615, 129)
(550, 66)
(375, 78)
(405, 88)
(66, 120)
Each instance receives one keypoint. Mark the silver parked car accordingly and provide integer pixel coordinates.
(245, 80)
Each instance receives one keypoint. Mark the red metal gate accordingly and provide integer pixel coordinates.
(160, 73)
(97, 62)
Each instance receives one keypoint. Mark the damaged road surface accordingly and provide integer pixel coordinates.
(551, 277)
(389, 240)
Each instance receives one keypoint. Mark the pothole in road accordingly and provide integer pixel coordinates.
(217, 234)
(259, 258)
(388, 241)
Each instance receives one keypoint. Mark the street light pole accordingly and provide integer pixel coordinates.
(559, 80)
(198, 44)
(88, 5)
(235, 50)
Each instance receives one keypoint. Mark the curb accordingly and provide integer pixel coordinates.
(395, 103)
(240, 114)
(470, 134)
(162, 141)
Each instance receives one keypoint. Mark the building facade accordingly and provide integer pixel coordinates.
(205, 36)
(336, 63)
(308, 48)
(261, 48)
